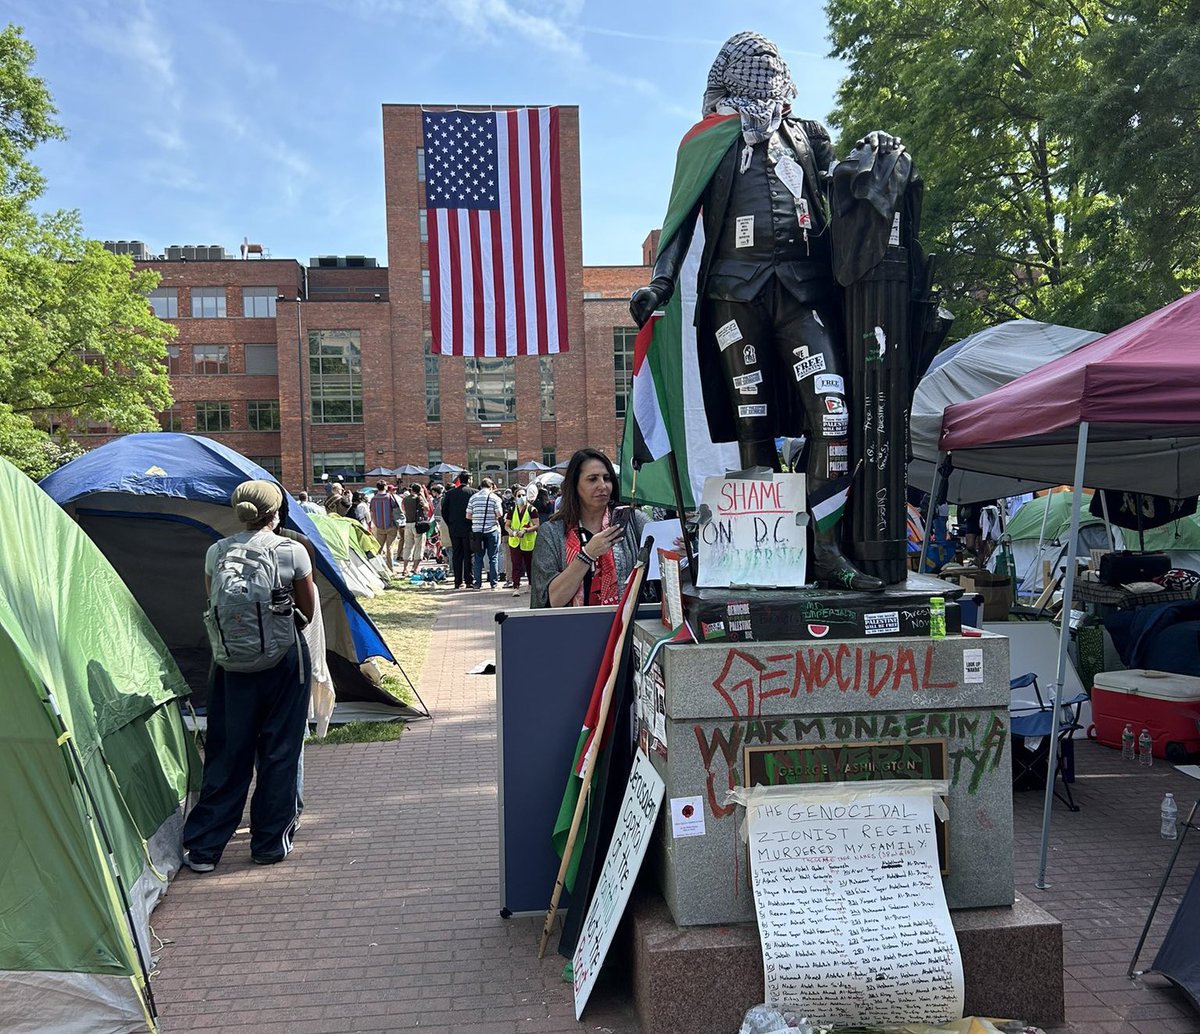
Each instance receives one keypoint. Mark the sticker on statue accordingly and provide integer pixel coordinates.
(728, 334)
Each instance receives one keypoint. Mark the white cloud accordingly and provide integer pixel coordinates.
(131, 33)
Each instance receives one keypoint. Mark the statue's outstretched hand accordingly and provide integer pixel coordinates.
(880, 141)
(645, 300)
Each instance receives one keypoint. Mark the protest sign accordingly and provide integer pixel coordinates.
(639, 809)
(753, 531)
(851, 912)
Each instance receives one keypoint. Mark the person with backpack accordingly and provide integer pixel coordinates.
(260, 595)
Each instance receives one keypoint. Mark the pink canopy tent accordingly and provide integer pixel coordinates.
(1122, 412)
(1137, 390)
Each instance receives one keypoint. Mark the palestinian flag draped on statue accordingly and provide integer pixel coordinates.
(666, 410)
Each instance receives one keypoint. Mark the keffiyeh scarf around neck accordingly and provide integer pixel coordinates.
(750, 77)
(604, 589)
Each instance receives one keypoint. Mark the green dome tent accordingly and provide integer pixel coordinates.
(96, 765)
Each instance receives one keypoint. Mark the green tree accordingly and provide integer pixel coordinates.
(78, 342)
(1028, 222)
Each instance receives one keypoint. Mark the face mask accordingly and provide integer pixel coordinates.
(521, 499)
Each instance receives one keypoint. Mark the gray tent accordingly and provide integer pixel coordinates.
(971, 368)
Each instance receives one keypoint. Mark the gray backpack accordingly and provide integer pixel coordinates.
(249, 616)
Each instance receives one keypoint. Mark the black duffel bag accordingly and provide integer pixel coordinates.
(1125, 566)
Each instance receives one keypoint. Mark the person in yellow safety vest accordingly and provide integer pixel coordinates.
(522, 526)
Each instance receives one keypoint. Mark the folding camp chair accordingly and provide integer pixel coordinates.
(1031, 765)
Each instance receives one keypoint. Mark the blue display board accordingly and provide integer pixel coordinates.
(546, 664)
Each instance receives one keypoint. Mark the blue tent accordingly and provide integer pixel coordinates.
(155, 502)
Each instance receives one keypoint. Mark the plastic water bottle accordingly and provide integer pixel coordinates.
(937, 617)
(1127, 751)
(1170, 812)
(1146, 748)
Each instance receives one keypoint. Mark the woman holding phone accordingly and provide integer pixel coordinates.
(584, 553)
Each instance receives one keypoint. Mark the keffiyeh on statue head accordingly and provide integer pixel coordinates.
(750, 77)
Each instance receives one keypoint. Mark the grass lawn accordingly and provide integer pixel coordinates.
(404, 617)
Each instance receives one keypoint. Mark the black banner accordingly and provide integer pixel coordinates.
(1137, 511)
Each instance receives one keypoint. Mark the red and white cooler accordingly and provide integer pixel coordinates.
(1166, 704)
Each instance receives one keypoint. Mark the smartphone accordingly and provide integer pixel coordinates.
(620, 516)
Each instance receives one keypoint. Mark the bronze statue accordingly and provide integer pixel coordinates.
(754, 180)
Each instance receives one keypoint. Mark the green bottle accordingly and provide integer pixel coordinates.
(937, 618)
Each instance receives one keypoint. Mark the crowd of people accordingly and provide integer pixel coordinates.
(480, 535)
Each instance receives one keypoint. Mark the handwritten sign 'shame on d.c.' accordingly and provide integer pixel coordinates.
(851, 912)
(753, 531)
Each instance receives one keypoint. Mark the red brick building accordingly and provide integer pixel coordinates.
(327, 367)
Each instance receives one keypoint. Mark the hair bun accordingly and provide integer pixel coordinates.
(247, 512)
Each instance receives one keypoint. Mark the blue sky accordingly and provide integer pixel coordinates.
(203, 121)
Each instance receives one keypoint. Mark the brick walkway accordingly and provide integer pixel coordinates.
(385, 917)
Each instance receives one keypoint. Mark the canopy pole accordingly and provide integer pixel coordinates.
(1064, 637)
(1112, 535)
(940, 488)
(1037, 557)
(938, 478)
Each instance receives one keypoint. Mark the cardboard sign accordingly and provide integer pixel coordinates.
(639, 809)
(753, 531)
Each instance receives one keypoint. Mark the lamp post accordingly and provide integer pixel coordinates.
(304, 467)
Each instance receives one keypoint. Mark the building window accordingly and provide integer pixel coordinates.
(262, 414)
(420, 164)
(259, 301)
(433, 383)
(213, 416)
(351, 465)
(273, 465)
(549, 455)
(491, 390)
(546, 385)
(434, 458)
(208, 303)
(422, 225)
(171, 419)
(335, 376)
(623, 338)
(174, 363)
(498, 464)
(262, 360)
(424, 285)
(164, 303)
(210, 358)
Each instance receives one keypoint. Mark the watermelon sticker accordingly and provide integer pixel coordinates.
(818, 631)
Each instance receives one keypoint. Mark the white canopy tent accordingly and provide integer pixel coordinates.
(967, 370)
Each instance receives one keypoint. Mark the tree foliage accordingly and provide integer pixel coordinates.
(1051, 137)
(78, 342)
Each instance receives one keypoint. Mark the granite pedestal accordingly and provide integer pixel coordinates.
(701, 980)
(720, 698)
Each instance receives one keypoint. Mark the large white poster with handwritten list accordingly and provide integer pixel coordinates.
(851, 913)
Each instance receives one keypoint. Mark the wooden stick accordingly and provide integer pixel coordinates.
(589, 764)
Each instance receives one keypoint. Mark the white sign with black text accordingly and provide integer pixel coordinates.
(639, 809)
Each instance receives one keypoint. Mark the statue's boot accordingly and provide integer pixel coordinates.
(831, 569)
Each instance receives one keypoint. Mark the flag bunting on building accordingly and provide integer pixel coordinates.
(493, 195)
(589, 739)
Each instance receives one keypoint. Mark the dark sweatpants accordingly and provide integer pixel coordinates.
(461, 559)
(256, 720)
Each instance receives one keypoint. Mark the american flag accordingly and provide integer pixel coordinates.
(497, 278)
